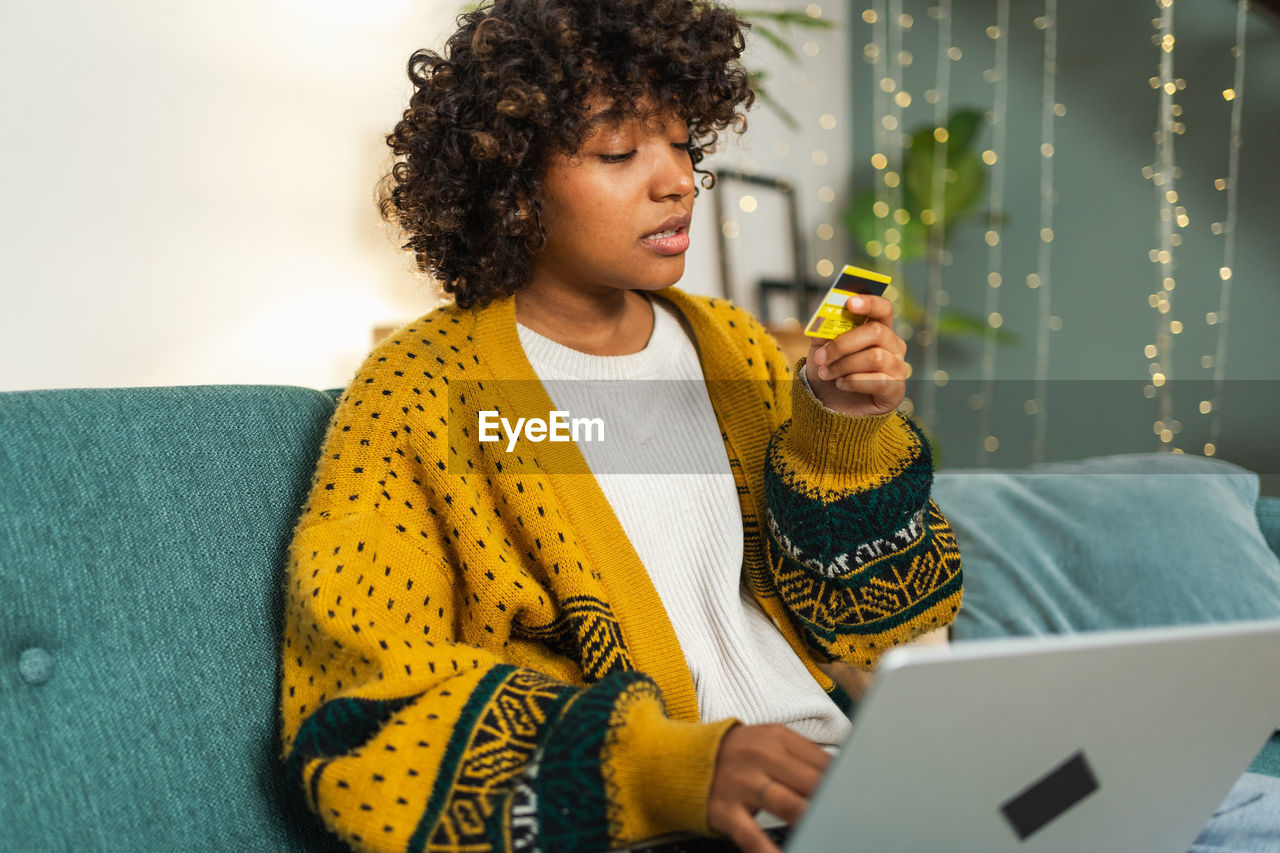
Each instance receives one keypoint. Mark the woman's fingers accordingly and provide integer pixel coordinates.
(875, 360)
(868, 336)
(762, 767)
(798, 777)
(813, 757)
(872, 307)
(864, 370)
(873, 372)
(783, 801)
(747, 835)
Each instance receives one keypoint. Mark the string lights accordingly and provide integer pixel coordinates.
(741, 211)
(1038, 408)
(819, 157)
(878, 52)
(1169, 216)
(994, 158)
(1213, 406)
(888, 213)
(937, 212)
(886, 54)
(825, 231)
(898, 22)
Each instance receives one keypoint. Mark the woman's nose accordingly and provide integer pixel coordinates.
(673, 175)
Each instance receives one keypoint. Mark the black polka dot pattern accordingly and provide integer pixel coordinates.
(426, 564)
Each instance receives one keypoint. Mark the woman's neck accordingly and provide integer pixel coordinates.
(617, 322)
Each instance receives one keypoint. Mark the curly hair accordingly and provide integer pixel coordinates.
(512, 89)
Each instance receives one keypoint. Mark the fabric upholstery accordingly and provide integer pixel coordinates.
(1268, 513)
(1109, 542)
(1268, 761)
(141, 535)
(1114, 542)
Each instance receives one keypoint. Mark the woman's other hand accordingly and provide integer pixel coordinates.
(864, 370)
(762, 767)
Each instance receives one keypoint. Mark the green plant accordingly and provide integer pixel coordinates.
(964, 188)
(776, 28)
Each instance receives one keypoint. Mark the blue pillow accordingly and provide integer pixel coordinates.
(1109, 542)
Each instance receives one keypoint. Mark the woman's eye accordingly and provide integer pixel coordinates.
(616, 158)
(688, 145)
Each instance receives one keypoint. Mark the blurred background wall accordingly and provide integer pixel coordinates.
(189, 199)
(188, 188)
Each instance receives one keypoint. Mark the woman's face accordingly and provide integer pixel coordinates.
(618, 210)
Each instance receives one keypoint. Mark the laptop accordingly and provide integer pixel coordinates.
(1111, 741)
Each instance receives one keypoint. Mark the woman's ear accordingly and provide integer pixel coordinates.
(525, 220)
(517, 220)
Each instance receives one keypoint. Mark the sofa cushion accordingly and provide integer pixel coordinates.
(141, 539)
(1109, 542)
(1268, 512)
(1112, 542)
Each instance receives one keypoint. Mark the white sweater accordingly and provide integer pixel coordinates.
(663, 468)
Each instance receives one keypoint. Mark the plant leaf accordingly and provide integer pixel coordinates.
(956, 324)
(962, 128)
(964, 182)
(777, 41)
(963, 194)
(756, 79)
(787, 17)
(915, 240)
(859, 218)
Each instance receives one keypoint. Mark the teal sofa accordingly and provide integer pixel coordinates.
(142, 534)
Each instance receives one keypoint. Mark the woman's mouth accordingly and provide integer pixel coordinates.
(670, 241)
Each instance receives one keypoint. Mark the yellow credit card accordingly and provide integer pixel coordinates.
(832, 318)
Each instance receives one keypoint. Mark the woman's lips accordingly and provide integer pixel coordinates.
(674, 241)
(671, 237)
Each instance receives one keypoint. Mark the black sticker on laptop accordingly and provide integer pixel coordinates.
(1046, 799)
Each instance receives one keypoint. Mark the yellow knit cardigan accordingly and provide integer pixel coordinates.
(474, 656)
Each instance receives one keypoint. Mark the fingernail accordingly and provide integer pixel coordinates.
(855, 302)
(820, 357)
(822, 372)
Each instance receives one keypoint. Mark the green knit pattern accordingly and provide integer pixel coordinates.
(335, 728)
(855, 589)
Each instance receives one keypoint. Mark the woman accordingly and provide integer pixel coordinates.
(496, 639)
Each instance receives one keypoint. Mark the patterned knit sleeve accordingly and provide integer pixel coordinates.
(402, 737)
(863, 558)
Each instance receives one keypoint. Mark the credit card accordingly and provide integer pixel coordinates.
(832, 318)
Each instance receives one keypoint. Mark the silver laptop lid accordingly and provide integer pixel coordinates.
(1111, 741)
